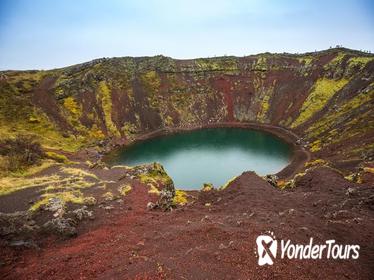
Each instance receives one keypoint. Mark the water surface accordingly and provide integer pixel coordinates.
(212, 155)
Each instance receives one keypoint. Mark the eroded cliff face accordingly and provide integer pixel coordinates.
(325, 97)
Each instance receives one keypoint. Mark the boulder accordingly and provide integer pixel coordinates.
(82, 213)
(65, 227)
(271, 179)
(16, 223)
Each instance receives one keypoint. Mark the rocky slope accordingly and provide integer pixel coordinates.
(325, 97)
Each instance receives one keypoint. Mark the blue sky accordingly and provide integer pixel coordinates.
(44, 34)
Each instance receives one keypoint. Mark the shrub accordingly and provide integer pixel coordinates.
(20, 152)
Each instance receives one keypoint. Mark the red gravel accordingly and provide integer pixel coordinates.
(213, 242)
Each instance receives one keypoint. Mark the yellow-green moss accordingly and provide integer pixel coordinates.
(168, 120)
(78, 172)
(307, 60)
(180, 197)
(261, 63)
(316, 146)
(264, 108)
(228, 183)
(354, 177)
(44, 131)
(129, 129)
(30, 170)
(359, 62)
(106, 103)
(337, 60)
(95, 133)
(323, 90)
(331, 118)
(207, 187)
(315, 162)
(72, 106)
(57, 157)
(153, 189)
(70, 179)
(290, 183)
(108, 196)
(205, 64)
(75, 197)
(89, 200)
(155, 175)
(124, 189)
(12, 184)
(151, 80)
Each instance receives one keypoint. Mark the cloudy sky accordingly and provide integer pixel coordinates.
(43, 34)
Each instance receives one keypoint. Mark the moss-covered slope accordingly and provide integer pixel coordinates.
(326, 97)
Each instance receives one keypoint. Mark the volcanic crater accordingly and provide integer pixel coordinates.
(70, 215)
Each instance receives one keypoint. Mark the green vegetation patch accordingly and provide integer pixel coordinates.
(106, 102)
(331, 118)
(155, 175)
(323, 90)
(180, 198)
(57, 157)
(124, 189)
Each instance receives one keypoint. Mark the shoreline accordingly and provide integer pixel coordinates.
(299, 155)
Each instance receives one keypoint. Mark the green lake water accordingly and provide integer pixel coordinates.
(212, 155)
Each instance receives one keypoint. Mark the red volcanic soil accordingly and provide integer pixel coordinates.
(213, 237)
(224, 85)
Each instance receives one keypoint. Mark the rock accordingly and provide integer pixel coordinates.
(23, 243)
(12, 223)
(55, 204)
(351, 191)
(223, 246)
(271, 179)
(83, 213)
(61, 226)
(208, 204)
(288, 212)
(151, 206)
(59, 213)
(156, 171)
(205, 218)
(27, 228)
(165, 201)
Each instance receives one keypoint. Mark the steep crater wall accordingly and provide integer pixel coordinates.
(324, 97)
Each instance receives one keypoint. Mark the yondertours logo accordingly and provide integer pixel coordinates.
(268, 248)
